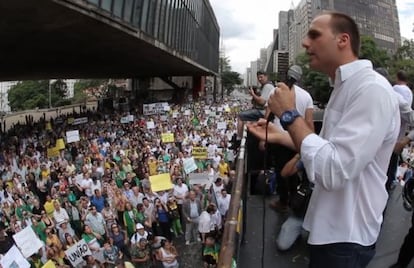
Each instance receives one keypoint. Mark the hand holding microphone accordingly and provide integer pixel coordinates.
(283, 98)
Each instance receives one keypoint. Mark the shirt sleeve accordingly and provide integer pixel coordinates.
(353, 138)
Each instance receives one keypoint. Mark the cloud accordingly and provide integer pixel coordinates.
(246, 26)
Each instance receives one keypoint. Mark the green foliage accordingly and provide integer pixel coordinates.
(29, 95)
(403, 59)
(229, 78)
(83, 84)
(315, 82)
(369, 50)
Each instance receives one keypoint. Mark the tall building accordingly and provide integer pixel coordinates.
(4, 93)
(283, 42)
(254, 68)
(301, 17)
(375, 18)
(262, 59)
(248, 78)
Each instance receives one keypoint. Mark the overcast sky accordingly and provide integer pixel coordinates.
(247, 25)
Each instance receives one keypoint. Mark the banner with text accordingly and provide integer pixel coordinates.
(76, 252)
(199, 152)
(154, 108)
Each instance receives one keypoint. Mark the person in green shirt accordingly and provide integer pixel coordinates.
(39, 228)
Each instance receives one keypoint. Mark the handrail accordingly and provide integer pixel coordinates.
(228, 244)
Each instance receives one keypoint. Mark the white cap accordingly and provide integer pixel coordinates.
(139, 226)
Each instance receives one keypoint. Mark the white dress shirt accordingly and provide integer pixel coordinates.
(349, 160)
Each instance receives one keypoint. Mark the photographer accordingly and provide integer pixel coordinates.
(259, 100)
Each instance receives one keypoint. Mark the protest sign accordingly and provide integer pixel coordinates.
(199, 152)
(27, 241)
(161, 182)
(125, 120)
(221, 125)
(167, 137)
(76, 252)
(199, 178)
(14, 258)
(150, 125)
(60, 144)
(189, 165)
(72, 136)
(52, 152)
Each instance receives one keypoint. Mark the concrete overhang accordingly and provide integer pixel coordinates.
(41, 39)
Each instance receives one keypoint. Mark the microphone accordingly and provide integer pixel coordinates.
(293, 75)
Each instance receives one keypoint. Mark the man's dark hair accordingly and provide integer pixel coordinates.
(342, 23)
(402, 76)
(261, 72)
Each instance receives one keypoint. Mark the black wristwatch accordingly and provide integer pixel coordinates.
(288, 117)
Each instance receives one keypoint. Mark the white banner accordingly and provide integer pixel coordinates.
(76, 252)
(81, 120)
(72, 136)
(27, 241)
(199, 178)
(14, 258)
(125, 120)
(150, 125)
(154, 108)
(221, 125)
(189, 165)
(131, 118)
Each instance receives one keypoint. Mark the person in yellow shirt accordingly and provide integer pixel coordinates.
(223, 168)
(49, 207)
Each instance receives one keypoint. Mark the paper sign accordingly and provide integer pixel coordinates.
(221, 125)
(150, 125)
(14, 258)
(199, 178)
(161, 182)
(167, 137)
(80, 120)
(189, 165)
(52, 152)
(187, 112)
(131, 118)
(49, 264)
(76, 252)
(163, 118)
(125, 120)
(167, 108)
(175, 115)
(60, 144)
(72, 136)
(27, 241)
(48, 126)
(199, 152)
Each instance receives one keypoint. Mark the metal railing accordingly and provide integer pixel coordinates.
(233, 225)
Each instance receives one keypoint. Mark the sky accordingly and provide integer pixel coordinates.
(246, 26)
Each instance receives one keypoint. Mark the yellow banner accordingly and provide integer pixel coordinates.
(49, 264)
(200, 152)
(167, 137)
(52, 152)
(161, 182)
(48, 126)
(60, 144)
(71, 120)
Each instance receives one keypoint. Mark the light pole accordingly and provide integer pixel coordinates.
(50, 94)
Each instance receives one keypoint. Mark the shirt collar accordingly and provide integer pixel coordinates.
(347, 70)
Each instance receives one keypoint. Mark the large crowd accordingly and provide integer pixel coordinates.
(98, 187)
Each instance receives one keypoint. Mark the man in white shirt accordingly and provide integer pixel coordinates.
(347, 163)
(59, 214)
(405, 92)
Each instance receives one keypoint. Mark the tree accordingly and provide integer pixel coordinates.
(403, 59)
(369, 50)
(58, 92)
(27, 95)
(88, 87)
(315, 82)
(229, 78)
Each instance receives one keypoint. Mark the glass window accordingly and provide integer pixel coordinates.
(106, 4)
(136, 19)
(128, 7)
(96, 2)
(118, 4)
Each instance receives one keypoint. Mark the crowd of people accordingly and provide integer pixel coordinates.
(98, 188)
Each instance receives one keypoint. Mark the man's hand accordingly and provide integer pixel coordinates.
(281, 100)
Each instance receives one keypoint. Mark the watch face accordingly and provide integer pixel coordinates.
(287, 117)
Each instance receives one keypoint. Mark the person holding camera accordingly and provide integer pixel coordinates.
(259, 100)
